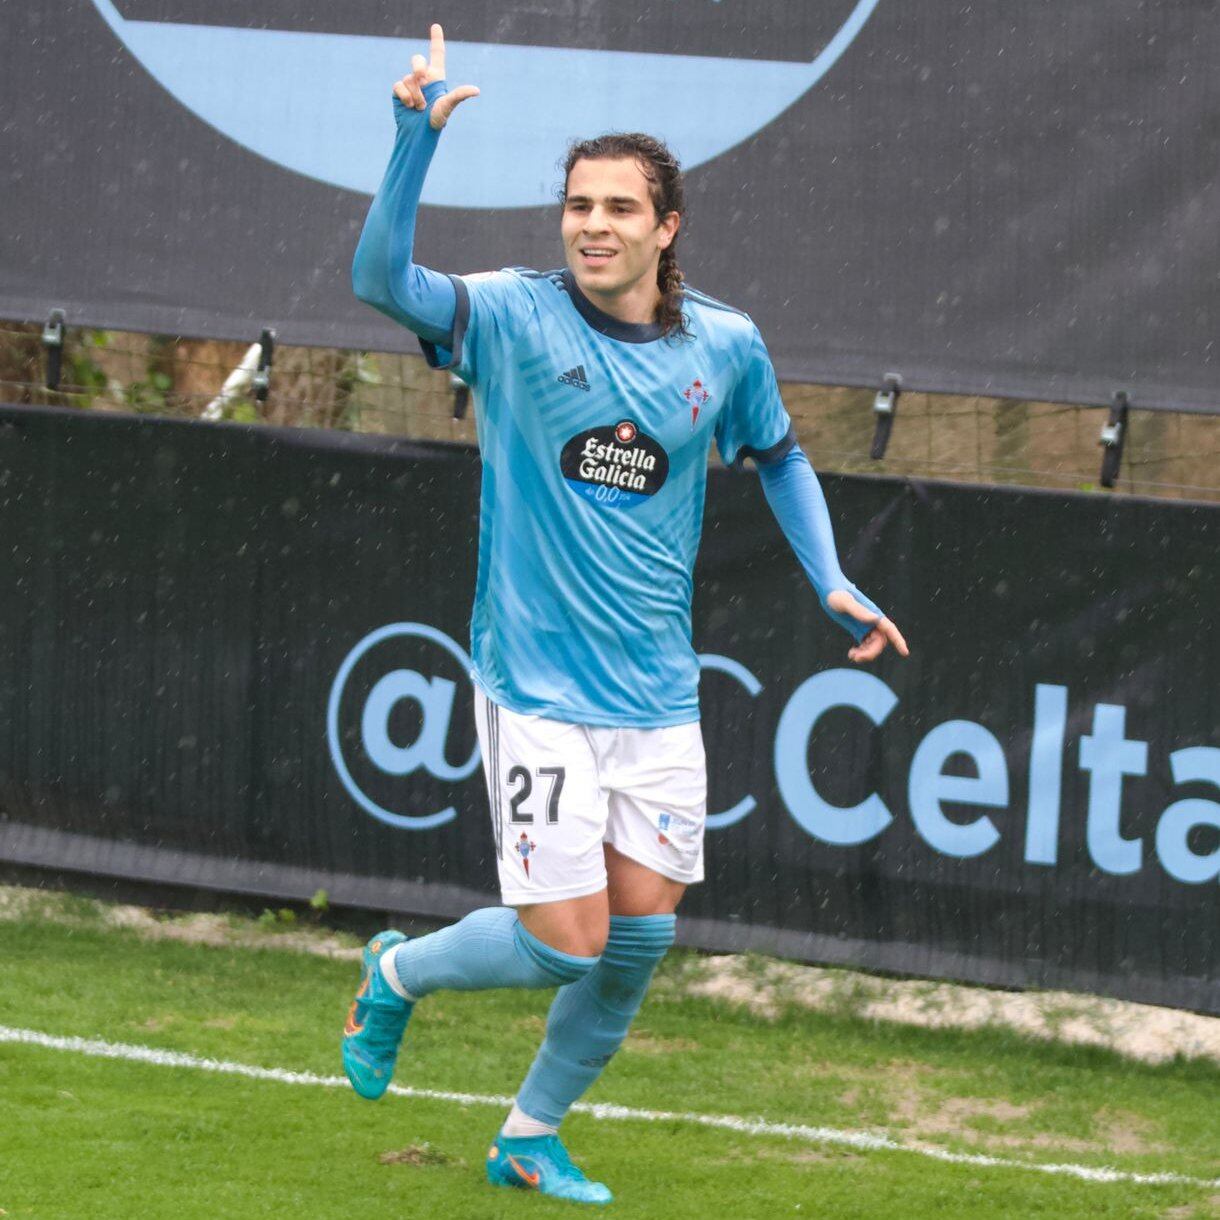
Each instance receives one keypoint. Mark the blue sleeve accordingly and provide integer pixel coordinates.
(493, 310)
(754, 422)
(383, 273)
(796, 499)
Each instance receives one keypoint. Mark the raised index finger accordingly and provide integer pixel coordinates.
(436, 54)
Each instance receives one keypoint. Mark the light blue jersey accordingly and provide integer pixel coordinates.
(595, 435)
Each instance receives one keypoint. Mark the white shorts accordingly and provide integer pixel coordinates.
(559, 791)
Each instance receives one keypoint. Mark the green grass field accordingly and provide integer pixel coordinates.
(89, 1137)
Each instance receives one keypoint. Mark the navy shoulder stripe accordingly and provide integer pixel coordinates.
(435, 353)
(701, 298)
(771, 456)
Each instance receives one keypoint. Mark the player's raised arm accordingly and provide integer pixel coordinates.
(384, 273)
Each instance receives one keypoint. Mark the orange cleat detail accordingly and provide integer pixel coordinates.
(350, 1027)
(532, 1178)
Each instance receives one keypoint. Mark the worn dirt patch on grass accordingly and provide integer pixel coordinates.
(1125, 1132)
(1139, 1031)
(205, 928)
(950, 1115)
(997, 1125)
(644, 1043)
(418, 1155)
(1203, 1210)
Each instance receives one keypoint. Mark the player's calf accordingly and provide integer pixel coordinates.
(589, 1020)
(489, 948)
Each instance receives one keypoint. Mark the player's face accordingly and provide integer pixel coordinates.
(612, 236)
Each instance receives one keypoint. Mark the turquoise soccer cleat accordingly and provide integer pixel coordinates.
(540, 1162)
(375, 1023)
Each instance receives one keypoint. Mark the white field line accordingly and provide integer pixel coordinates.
(863, 1140)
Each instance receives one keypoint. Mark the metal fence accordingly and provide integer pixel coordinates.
(967, 439)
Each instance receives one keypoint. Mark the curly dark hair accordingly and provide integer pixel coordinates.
(664, 175)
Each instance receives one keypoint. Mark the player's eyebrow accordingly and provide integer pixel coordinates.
(619, 199)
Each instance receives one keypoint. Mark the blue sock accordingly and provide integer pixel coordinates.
(590, 1017)
(489, 948)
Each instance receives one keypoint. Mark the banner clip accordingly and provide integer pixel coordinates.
(1113, 436)
(461, 396)
(254, 372)
(261, 380)
(885, 406)
(53, 345)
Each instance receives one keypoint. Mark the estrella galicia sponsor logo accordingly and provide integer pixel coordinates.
(399, 711)
(576, 378)
(618, 466)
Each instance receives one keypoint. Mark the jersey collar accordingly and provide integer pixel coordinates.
(603, 323)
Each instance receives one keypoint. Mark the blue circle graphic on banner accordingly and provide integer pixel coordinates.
(319, 103)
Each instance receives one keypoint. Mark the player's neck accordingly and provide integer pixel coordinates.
(636, 304)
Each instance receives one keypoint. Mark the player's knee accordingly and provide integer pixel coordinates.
(572, 967)
(555, 963)
(578, 927)
(577, 940)
(638, 940)
(586, 942)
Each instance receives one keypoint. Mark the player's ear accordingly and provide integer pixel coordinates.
(669, 225)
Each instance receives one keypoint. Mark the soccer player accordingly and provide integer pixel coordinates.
(598, 391)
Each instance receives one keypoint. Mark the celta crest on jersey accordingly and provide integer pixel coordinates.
(617, 466)
(698, 395)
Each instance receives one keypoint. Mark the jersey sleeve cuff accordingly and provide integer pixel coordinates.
(856, 629)
(769, 456)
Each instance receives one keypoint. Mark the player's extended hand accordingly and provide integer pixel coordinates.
(410, 90)
(883, 631)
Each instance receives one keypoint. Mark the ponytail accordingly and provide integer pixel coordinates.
(669, 280)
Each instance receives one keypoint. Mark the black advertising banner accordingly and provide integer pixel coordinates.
(1014, 200)
(236, 658)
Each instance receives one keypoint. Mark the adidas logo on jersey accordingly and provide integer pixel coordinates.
(575, 377)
